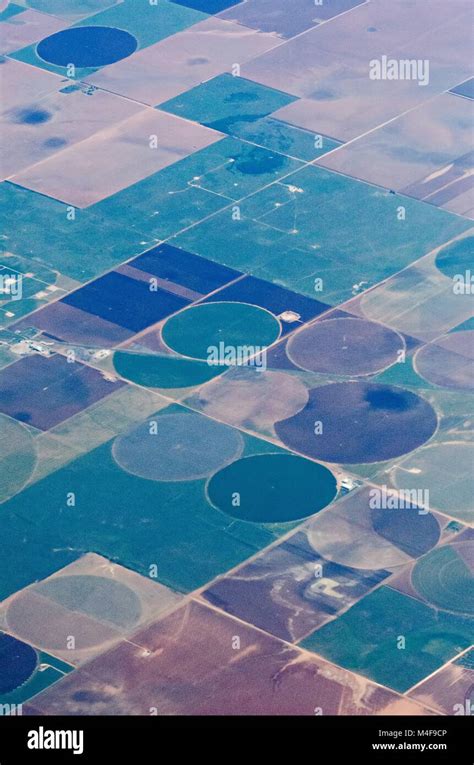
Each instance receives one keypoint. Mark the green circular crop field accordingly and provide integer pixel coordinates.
(445, 578)
(196, 330)
(167, 372)
(17, 456)
(186, 446)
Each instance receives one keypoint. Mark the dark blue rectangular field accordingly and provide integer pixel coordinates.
(44, 391)
(183, 268)
(127, 302)
(208, 6)
(272, 297)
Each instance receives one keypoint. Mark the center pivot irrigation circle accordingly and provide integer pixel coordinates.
(185, 447)
(18, 661)
(446, 468)
(253, 399)
(17, 456)
(92, 46)
(97, 596)
(46, 614)
(225, 327)
(345, 346)
(272, 488)
(154, 371)
(359, 422)
(448, 361)
(352, 533)
(445, 577)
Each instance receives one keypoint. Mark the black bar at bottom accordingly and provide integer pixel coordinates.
(349, 739)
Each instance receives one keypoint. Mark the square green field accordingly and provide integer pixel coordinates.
(320, 234)
(368, 639)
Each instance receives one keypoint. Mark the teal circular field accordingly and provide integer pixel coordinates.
(456, 258)
(84, 46)
(17, 456)
(177, 447)
(167, 372)
(445, 577)
(203, 330)
(272, 488)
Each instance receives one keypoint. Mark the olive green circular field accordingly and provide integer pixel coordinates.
(272, 488)
(445, 577)
(446, 469)
(234, 325)
(90, 607)
(168, 372)
(185, 447)
(17, 456)
(96, 596)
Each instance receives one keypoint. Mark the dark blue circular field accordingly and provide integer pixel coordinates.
(360, 422)
(87, 46)
(408, 529)
(17, 663)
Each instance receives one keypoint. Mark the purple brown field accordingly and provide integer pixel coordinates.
(451, 690)
(198, 660)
